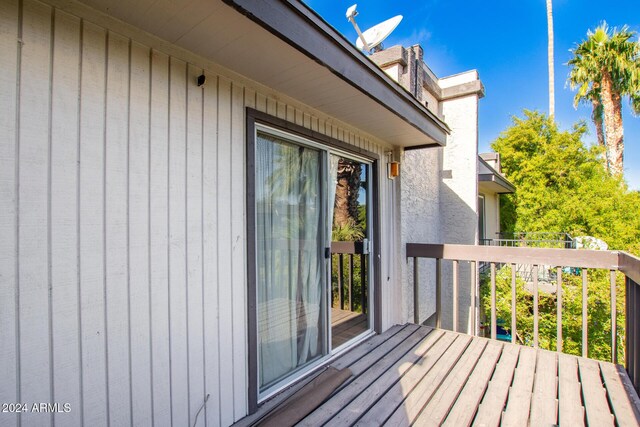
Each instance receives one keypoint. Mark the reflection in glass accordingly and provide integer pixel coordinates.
(290, 258)
(349, 255)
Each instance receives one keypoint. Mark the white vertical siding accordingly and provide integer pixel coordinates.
(194, 220)
(122, 213)
(115, 230)
(91, 227)
(159, 239)
(139, 236)
(179, 362)
(63, 199)
(224, 243)
(9, 350)
(238, 251)
(33, 208)
(211, 298)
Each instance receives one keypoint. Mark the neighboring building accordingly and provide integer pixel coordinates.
(165, 196)
(439, 186)
(491, 183)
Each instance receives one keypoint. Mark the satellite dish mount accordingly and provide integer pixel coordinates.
(371, 39)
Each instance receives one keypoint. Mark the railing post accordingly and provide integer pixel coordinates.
(455, 295)
(416, 295)
(628, 342)
(631, 330)
(635, 355)
(514, 330)
(585, 334)
(474, 305)
(363, 284)
(494, 330)
(614, 318)
(535, 306)
(438, 293)
(559, 319)
(350, 282)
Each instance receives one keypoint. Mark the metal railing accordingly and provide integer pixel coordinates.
(543, 237)
(583, 260)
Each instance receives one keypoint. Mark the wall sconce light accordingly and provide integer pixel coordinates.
(202, 79)
(393, 167)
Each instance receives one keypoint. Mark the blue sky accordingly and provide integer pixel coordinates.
(506, 41)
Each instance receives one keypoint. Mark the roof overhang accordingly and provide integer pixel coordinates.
(490, 180)
(287, 47)
(494, 183)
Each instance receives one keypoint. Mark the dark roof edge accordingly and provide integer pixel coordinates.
(304, 29)
(496, 177)
(491, 177)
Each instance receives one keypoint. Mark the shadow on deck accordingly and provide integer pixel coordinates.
(418, 375)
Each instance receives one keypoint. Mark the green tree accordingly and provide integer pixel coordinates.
(605, 68)
(561, 185)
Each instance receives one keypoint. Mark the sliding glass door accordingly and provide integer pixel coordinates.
(291, 274)
(311, 205)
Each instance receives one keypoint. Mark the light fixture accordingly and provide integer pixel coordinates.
(393, 167)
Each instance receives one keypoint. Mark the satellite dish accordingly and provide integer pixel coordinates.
(372, 38)
(375, 35)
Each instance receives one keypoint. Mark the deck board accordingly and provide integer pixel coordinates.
(439, 406)
(363, 381)
(622, 402)
(570, 409)
(413, 375)
(519, 403)
(430, 383)
(350, 413)
(397, 393)
(492, 405)
(464, 409)
(544, 407)
(346, 325)
(595, 399)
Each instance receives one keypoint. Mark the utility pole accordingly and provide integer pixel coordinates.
(552, 95)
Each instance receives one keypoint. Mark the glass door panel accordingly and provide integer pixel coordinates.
(291, 279)
(349, 197)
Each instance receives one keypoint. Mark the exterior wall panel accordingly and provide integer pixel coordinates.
(91, 280)
(9, 332)
(122, 257)
(159, 239)
(33, 208)
(64, 211)
(138, 235)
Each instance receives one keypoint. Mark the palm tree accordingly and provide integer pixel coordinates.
(588, 93)
(606, 67)
(550, 58)
(346, 202)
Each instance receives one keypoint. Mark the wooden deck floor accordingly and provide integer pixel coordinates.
(413, 375)
(346, 325)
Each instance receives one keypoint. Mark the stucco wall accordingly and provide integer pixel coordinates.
(421, 223)
(459, 195)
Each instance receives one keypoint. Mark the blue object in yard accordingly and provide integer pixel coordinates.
(576, 271)
(502, 334)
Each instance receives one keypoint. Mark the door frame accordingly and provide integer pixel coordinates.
(254, 117)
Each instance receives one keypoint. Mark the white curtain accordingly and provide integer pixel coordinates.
(290, 257)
